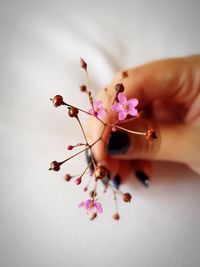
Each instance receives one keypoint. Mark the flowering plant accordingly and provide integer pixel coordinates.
(124, 108)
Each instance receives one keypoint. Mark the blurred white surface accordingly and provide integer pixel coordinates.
(40, 224)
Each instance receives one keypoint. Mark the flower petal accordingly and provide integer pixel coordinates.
(133, 112)
(122, 115)
(122, 98)
(98, 207)
(97, 204)
(98, 104)
(88, 203)
(82, 204)
(132, 103)
(91, 111)
(117, 107)
(101, 113)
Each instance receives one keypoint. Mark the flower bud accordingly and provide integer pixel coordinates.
(54, 166)
(73, 112)
(83, 88)
(100, 172)
(70, 147)
(116, 216)
(93, 194)
(96, 113)
(151, 135)
(119, 87)
(67, 177)
(83, 64)
(78, 181)
(57, 100)
(124, 74)
(127, 197)
(93, 216)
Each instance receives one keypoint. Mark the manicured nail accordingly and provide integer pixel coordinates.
(142, 177)
(116, 181)
(89, 158)
(118, 143)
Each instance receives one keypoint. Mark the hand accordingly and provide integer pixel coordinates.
(169, 95)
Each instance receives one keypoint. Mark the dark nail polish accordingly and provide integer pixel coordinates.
(116, 181)
(142, 177)
(89, 158)
(118, 143)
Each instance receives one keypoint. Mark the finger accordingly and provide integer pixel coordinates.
(178, 143)
(161, 79)
(143, 170)
(124, 170)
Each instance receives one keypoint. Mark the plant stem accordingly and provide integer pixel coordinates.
(92, 157)
(129, 131)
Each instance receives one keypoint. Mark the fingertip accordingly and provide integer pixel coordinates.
(113, 166)
(99, 151)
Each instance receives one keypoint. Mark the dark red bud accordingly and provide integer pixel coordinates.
(127, 197)
(151, 135)
(83, 64)
(116, 216)
(93, 194)
(119, 87)
(73, 112)
(100, 172)
(54, 166)
(78, 181)
(57, 100)
(70, 147)
(67, 177)
(124, 74)
(94, 215)
(83, 88)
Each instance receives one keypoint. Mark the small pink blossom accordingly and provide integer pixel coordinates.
(98, 110)
(125, 107)
(91, 206)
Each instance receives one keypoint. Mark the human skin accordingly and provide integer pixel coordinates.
(169, 95)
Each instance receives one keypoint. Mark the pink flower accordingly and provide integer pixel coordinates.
(91, 206)
(125, 107)
(98, 110)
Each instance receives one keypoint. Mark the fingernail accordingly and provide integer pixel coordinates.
(106, 179)
(142, 177)
(89, 159)
(116, 181)
(118, 143)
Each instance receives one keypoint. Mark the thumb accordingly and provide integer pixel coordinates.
(176, 142)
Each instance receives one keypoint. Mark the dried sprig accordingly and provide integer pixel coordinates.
(98, 172)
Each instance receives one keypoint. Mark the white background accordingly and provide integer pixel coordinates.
(40, 224)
